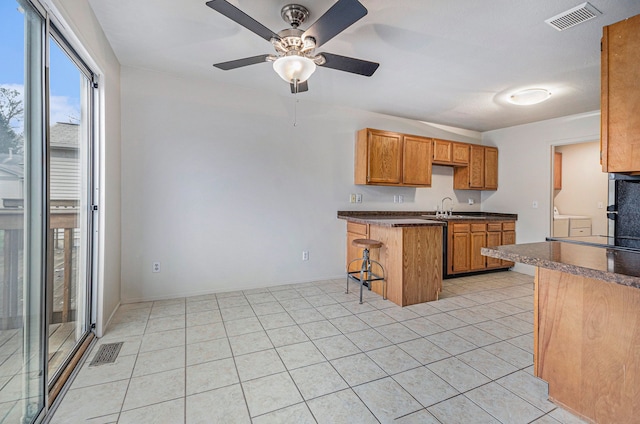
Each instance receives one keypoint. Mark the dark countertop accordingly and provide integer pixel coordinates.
(399, 222)
(619, 243)
(418, 218)
(597, 262)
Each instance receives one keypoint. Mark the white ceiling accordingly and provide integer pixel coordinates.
(450, 62)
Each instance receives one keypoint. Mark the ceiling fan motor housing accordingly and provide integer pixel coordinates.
(294, 14)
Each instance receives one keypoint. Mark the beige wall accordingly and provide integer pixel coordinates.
(524, 170)
(223, 190)
(91, 43)
(584, 185)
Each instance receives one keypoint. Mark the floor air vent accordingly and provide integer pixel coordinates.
(573, 17)
(107, 354)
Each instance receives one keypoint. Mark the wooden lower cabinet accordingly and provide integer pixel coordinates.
(494, 238)
(412, 258)
(459, 244)
(466, 239)
(355, 231)
(478, 241)
(508, 237)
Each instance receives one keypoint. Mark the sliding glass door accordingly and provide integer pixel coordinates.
(46, 184)
(22, 218)
(69, 278)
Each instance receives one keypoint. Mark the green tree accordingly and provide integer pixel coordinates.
(10, 109)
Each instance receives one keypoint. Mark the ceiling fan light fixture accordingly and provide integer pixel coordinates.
(529, 96)
(294, 68)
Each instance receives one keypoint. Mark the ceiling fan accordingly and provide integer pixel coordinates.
(295, 58)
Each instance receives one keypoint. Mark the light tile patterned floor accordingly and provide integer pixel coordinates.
(308, 353)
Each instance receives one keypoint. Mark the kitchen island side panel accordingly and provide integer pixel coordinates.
(588, 345)
(412, 258)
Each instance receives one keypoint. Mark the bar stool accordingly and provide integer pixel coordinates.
(365, 275)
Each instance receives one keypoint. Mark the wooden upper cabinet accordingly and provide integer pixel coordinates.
(447, 152)
(460, 153)
(388, 158)
(416, 163)
(378, 157)
(442, 152)
(620, 97)
(476, 167)
(557, 171)
(394, 159)
(482, 171)
(490, 168)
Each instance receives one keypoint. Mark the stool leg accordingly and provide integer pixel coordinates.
(365, 265)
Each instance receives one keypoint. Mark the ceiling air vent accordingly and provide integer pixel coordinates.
(573, 17)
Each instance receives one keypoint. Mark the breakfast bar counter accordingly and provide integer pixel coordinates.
(586, 326)
(411, 253)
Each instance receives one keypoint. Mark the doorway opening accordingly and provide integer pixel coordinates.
(579, 191)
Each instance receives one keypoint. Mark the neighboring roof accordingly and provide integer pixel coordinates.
(65, 135)
(12, 164)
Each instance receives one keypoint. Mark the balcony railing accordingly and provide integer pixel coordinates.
(61, 273)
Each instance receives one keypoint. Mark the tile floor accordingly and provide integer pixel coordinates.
(308, 353)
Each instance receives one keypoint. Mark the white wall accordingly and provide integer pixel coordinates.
(524, 170)
(584, 185)
(92, 44)
(223, 189)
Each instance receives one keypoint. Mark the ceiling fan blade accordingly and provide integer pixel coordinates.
(349, 64)
(339, 17)
(237, 15)
(300, 87)
(239, 63)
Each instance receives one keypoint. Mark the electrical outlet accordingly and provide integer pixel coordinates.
(155, 267)
(600, 205)
(305, 255)
(534, 204)
(359, 198)
(352, 198)
(400, 198)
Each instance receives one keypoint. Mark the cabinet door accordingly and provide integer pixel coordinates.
(490, 168)
(384, 157)
(508, 237)
(494, 238)
(557, 171)
(460, 153)
(460, 257)
(478, 241)
(442, 151)
(476, 167)
(416, 165)
(620, 100)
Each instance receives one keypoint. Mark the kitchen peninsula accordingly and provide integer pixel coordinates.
(414, 252)
(586, 325)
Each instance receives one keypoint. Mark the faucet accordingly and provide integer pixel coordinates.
(444, 213)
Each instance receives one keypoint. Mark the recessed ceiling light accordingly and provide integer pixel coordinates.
(529, 97)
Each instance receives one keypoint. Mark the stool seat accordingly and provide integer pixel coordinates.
(367, 243)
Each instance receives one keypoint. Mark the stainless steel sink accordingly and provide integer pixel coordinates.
(445, 218)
